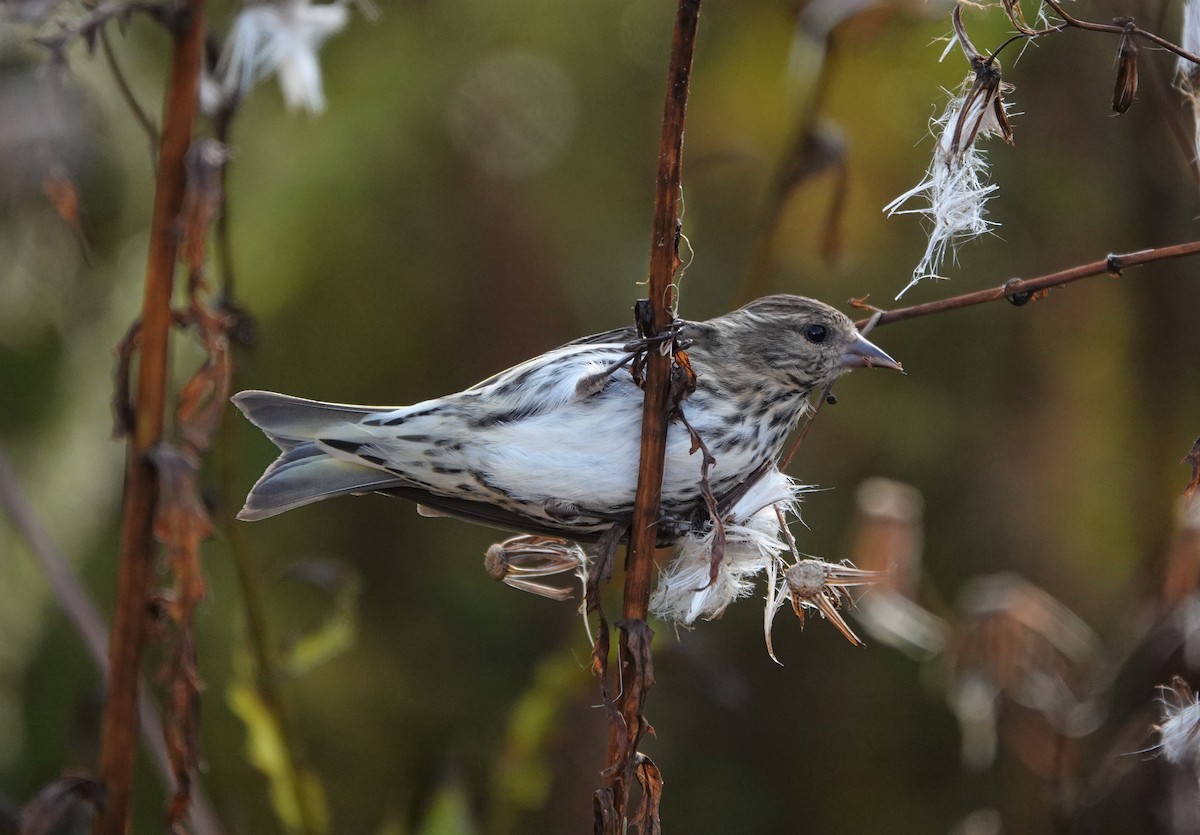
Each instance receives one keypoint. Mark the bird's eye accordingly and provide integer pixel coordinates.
(815, 333)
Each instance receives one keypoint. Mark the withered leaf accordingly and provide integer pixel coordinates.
(202, 199)
(649, 777)
(122, 402)
(181, 524)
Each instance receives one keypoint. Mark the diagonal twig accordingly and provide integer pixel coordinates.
(1020, 291)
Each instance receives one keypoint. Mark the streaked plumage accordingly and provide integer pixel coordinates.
(552, 445)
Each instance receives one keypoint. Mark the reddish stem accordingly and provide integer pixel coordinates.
(635, 671)
(136, 570)
(1023, 288)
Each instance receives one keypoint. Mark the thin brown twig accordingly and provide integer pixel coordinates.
(635, 669)
(139, 113)
(1130, 28)
(1125, 26)
(88, 25)
(1019, 291)
(136, 569)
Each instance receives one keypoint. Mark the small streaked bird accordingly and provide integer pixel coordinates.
(552, 445)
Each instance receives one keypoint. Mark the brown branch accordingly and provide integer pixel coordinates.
(1020, 291)
(635, 669)
(1117, 29)
(136, 573)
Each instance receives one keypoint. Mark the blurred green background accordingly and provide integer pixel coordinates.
(479, 190)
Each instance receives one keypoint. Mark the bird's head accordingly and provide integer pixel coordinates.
(804, 343)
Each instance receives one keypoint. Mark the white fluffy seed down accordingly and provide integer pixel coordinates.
(754, 540)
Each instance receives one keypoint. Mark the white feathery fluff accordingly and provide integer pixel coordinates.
(1179, 732)
(955, 188)
(754, 539)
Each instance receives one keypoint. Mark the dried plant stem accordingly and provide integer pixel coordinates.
(136, 572)
(634, 661)
(1021, 290)
(86, 618)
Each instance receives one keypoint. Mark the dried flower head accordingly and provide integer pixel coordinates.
(518, 560)
(820, 585)
(1018, 642)
(955, 187)
(888, 539)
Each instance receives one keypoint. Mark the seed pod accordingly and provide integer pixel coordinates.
(1127, 74)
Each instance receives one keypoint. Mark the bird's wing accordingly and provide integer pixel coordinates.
(570, 372)
(618, 336)
(497, 517)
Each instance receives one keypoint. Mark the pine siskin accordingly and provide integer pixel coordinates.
(551, 446)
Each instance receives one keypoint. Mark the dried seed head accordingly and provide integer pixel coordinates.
(1189, 72)
(822, 586)
(955, 185)
(888, 538)
(515, 561)
(1018, 643)
(982, 111)
(1179, 733)
(1127, 74)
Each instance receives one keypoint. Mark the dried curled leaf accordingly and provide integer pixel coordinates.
(202, 199)
(1127, 73)
(649, 777)
(181, 524)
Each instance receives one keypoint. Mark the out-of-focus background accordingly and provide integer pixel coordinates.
(478, 190)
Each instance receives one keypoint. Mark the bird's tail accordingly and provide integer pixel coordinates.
(304, 473)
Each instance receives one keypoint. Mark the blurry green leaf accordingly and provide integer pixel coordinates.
(393, 824)
(335, 635)
(521, 777)
(296, 795)
(449, 812)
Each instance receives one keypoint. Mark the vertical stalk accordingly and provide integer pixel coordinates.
(634, 661)
(119, 735)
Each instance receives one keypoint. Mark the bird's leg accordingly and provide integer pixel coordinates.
(672, 526)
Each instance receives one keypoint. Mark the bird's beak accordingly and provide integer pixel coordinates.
(862, 353)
